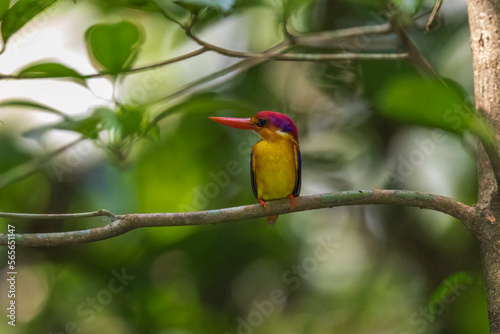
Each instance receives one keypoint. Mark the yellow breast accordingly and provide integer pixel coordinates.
(274, 167)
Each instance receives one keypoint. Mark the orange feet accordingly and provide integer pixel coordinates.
(261, 201)
(270, 220)
(292, 202)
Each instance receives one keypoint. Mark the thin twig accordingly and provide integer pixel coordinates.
(98, 213)
(124, 223)
(131, 70)
(414, 54)
(298, 56)
(311, 39)
(234, 69)
(305, 40)
(177, 59)
(433, 16)
(329, 37)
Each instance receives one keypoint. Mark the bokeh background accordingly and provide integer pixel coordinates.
(381, 269)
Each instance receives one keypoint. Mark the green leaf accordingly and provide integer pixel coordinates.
(114, 47)
(51, 70)
(88, 126)
(107, 118)
(21, 13)
(427, 102)
(196, 5)
(125, 121)
(4, 6)
(33, 105)
(448, 291)
(131, 121)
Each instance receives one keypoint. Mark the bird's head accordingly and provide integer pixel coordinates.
(270, 125)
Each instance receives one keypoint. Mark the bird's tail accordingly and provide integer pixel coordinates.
(271, 220)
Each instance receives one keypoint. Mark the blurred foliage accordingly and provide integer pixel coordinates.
(21, 13)
(427, 102)
(114, 47)
(362, 124)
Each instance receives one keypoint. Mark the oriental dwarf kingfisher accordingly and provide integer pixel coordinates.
(275, 163)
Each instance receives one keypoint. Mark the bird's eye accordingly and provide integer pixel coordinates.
(262, 122)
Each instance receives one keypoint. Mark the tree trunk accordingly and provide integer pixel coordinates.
(484, 21)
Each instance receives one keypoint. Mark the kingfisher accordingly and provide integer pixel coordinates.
(275, 162)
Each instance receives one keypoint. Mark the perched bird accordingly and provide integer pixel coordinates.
(275, 163)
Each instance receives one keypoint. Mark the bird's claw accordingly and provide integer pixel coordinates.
(261, 201)
(292, 202)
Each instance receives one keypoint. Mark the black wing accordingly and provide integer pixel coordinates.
(252, 176)
(298, 176)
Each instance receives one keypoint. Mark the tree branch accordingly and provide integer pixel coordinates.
(131, 70)
(123, 223)
(297, 56)
(311, 39)
(324, 38)
(414, 54)
(98, 213)
(239, 67)
(306, 39)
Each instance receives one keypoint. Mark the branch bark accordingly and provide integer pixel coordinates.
(484, 21)
(121, 224)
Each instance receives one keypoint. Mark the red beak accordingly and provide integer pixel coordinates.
(238, 123)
